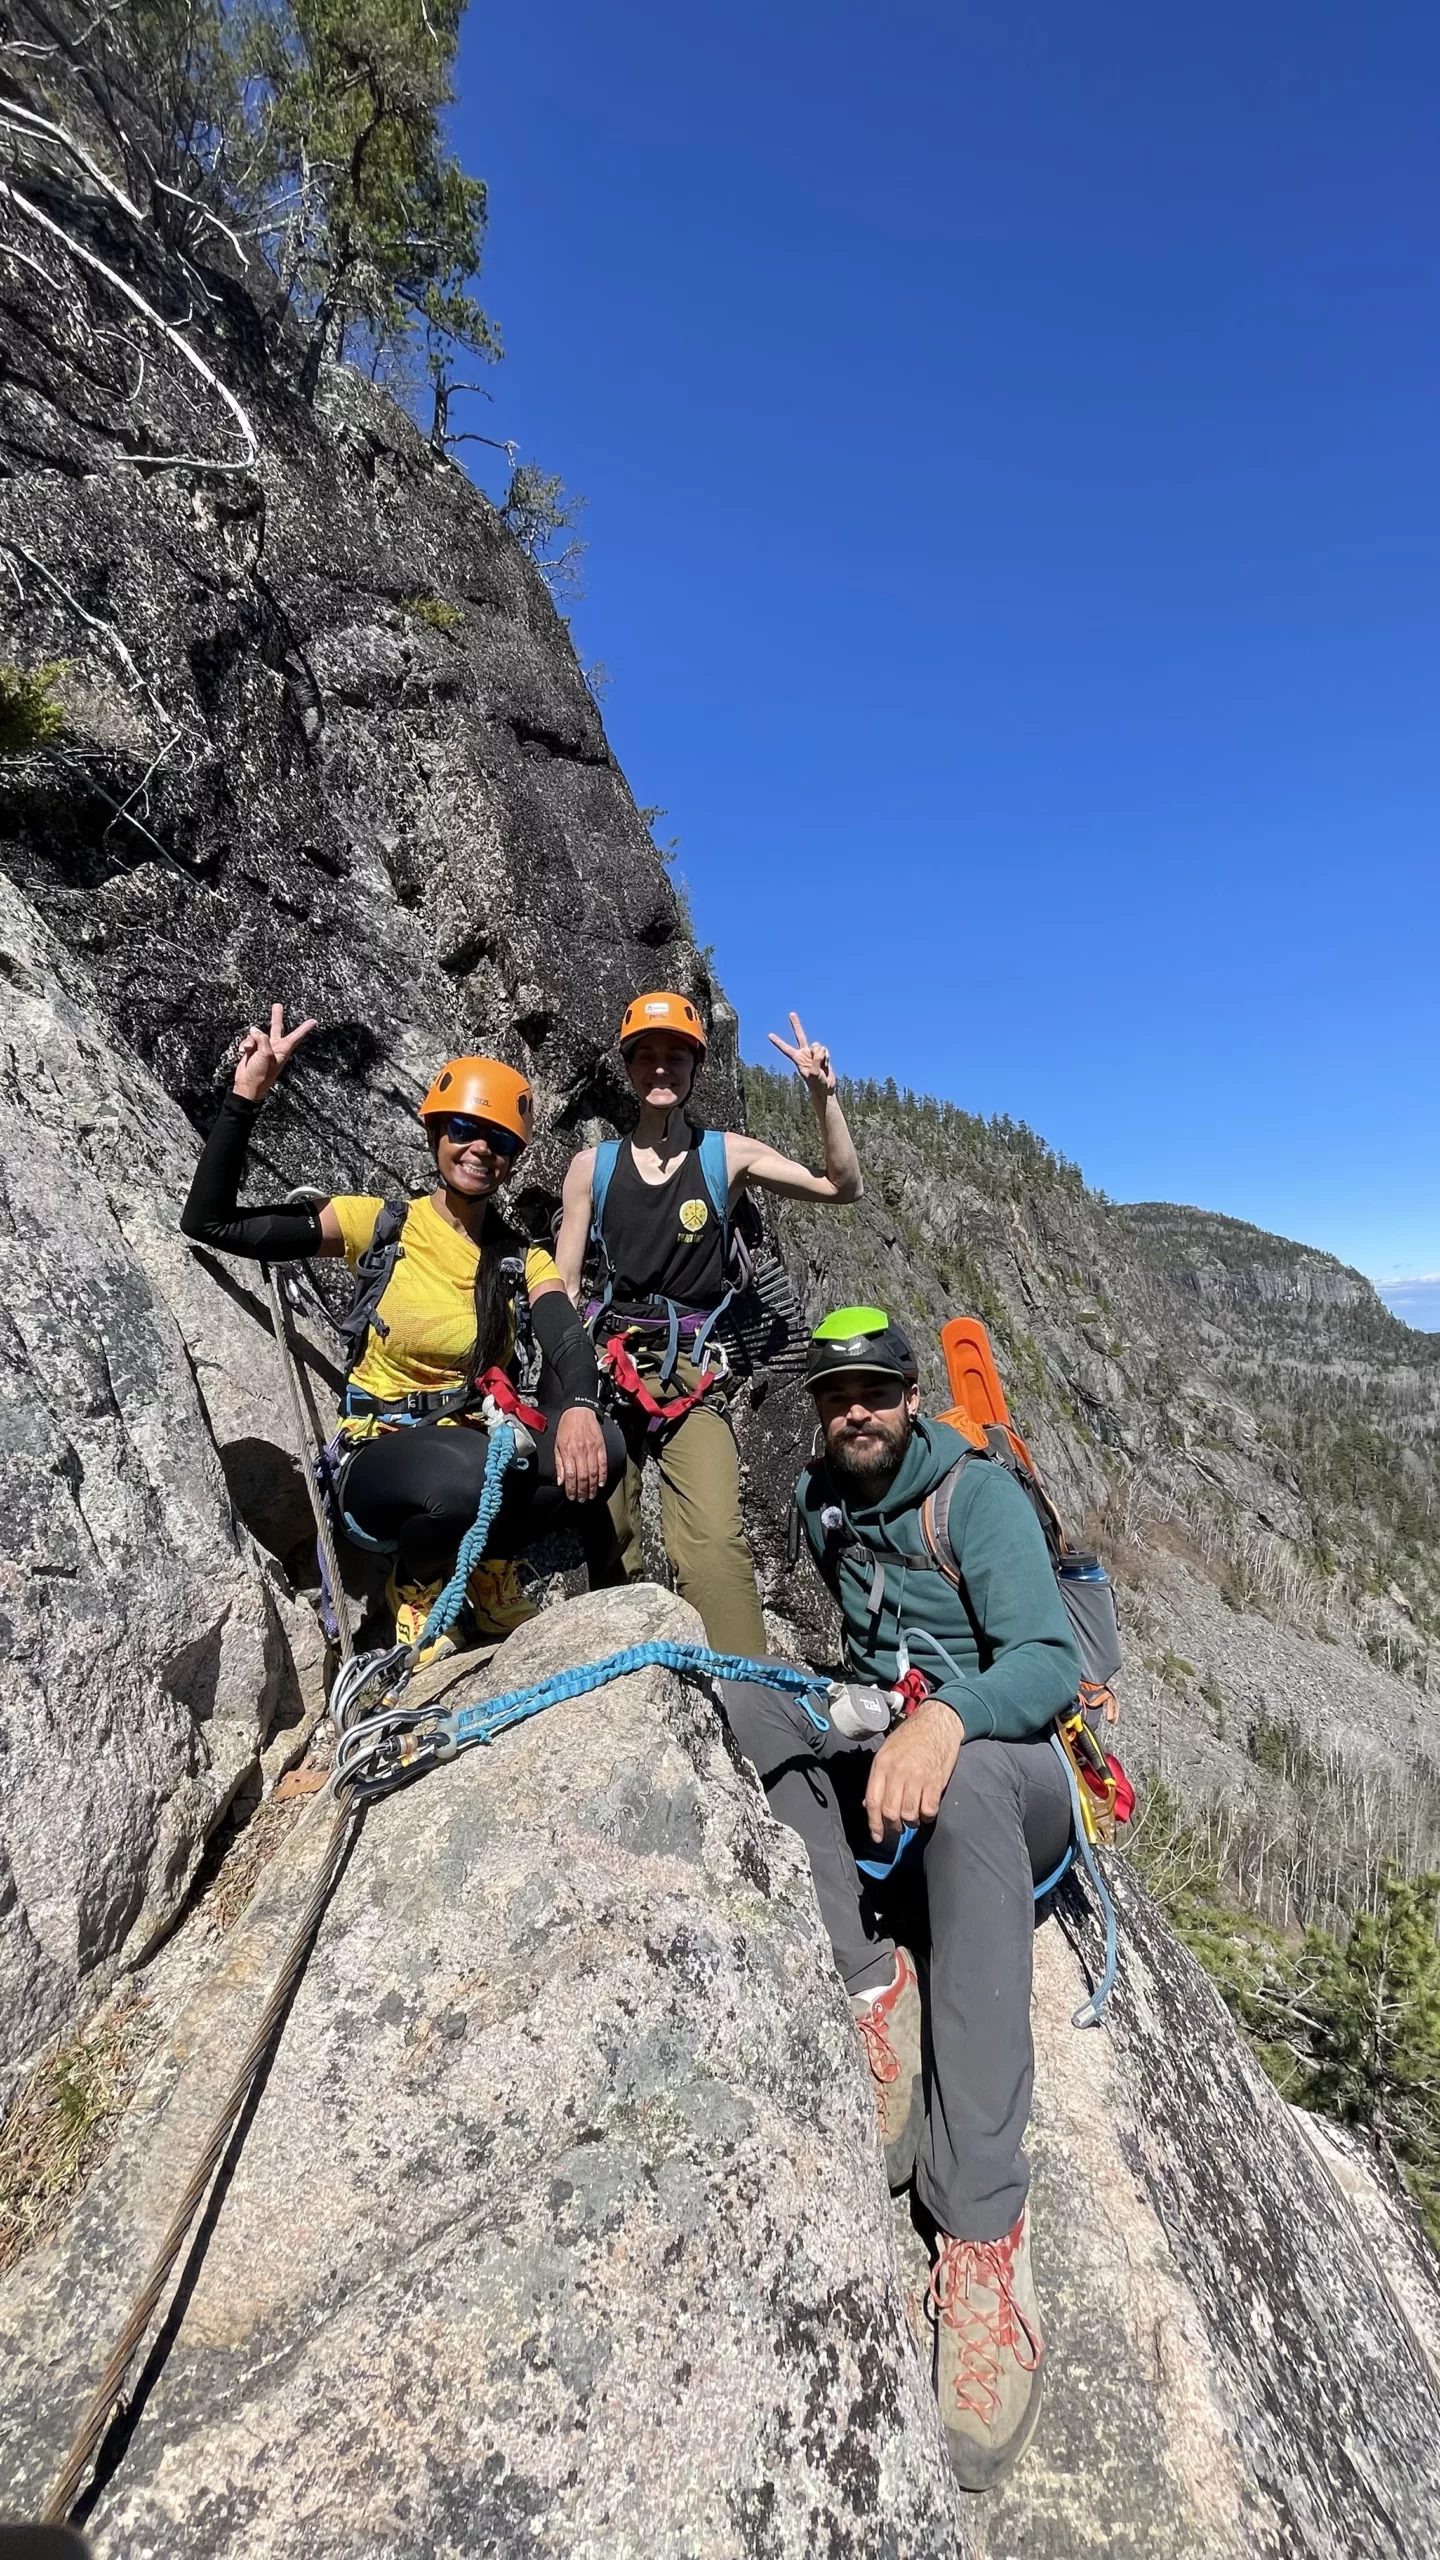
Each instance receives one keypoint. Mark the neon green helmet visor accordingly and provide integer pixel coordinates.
(859, 1339)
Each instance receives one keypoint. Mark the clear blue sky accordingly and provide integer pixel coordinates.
(1011, 439)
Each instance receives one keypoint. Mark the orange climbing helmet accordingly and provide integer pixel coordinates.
(484, 1090)
(663, 1010)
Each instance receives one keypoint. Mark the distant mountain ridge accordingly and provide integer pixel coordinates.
(1160, 1357)
(1226, 1258)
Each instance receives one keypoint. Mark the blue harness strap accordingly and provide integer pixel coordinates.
(880, 1868)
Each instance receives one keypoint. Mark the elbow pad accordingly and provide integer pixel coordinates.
(211, 1215)
(568, 1351)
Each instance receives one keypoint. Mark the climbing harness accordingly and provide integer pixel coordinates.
(1076, 1758)
(661, 1413)
(1100, 1793)
(684, 1328)
(327, 1460)
(756, 1325)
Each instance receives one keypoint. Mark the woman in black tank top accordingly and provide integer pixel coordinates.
(664, 1238)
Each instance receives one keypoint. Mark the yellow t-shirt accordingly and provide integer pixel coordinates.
(429, 1303)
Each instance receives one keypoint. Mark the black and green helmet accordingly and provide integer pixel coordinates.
(859, 1338)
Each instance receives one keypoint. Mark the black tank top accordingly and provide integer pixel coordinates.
(664, 1238)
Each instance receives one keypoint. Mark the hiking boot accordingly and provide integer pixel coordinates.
(412, 1603)
(497, 1601)
(987, 2352)
(889, 2025)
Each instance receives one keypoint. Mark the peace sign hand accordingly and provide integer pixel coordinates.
(809, 1058)
(264, 1055)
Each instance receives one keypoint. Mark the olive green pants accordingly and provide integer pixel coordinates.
(700, 1521)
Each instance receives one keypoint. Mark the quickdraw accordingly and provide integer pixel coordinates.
(381, 1751)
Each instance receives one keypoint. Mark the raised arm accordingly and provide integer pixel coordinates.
(284, 1232)
(751, 1161)
(575, 1204)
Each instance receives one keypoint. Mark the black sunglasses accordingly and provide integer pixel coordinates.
(460, 1129)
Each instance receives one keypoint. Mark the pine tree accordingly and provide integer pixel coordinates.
(1373, 2004)
(375, 228)
(311, 131)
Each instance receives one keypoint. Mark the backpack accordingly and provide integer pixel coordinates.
(982, 1416)
(373, 1270)
(1084, 1585)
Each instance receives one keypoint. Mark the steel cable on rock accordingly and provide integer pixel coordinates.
(311, 1454)
(504, 1452)
(90, 2433)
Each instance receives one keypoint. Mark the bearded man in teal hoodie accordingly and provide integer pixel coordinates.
(948, 1820)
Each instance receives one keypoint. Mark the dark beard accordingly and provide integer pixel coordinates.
(871, 1475)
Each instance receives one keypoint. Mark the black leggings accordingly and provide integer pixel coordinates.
(418, 1489)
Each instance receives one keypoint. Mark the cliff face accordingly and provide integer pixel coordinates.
(150, 1647)
(560, 2221)
(326, 741)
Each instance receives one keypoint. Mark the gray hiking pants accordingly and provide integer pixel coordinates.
(968, 1883)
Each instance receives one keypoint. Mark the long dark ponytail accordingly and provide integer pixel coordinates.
(494, 1294)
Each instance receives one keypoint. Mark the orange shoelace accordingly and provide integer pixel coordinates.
(986, 2334)
(874, 2029)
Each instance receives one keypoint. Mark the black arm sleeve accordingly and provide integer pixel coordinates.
(568, 1351)
(211, 1214)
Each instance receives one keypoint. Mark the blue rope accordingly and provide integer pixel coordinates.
(694, 1661)
(502, 1453)
(490, 1716)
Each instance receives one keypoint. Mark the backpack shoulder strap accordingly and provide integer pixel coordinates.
(517, 1289)
(829, 1548)
(1005, 1454)
(935, 1520)
(607, 1156)
(373, 1268)
(715, 1173)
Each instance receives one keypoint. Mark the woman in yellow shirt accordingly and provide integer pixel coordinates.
(446, 1313)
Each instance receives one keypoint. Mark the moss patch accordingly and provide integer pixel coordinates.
(30, 715)
(434, 610)
(62, 2122)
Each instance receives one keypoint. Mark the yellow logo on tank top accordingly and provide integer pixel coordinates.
(693, 1216)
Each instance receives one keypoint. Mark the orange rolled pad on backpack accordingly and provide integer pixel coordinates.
(980, 1405)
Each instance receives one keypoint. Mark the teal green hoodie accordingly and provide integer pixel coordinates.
(1016, 1661)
